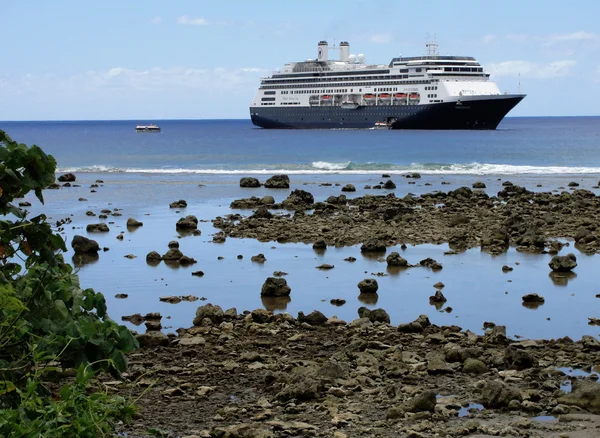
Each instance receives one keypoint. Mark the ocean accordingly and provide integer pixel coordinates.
(202, 162)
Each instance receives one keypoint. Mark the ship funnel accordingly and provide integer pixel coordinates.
(323, 51)
(344, 51)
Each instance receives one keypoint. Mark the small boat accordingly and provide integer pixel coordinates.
(400, 96)
(414, 96)
(326, 97)
(381, 125)
(369, 96)
(147, 128)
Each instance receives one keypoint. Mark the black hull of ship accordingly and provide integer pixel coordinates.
(484, 114)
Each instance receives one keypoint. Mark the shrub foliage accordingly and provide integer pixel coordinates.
(49, 325)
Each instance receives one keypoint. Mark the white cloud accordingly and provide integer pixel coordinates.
(381, 38)
(184, 19)
(486, 39)
(568, 37)
(156, 20)
(532, 69)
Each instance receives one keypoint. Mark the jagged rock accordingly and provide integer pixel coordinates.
(438, 297)
(313, 318)
(278, 182)
(261, 316)
(585, 395)
(189, 222)
(373, 245)
(506, 268)
(376, 315)
(368, 286)
(439, 285)
(214, 313)
(563, 263)
(249, 182)
(67, 177)
(262, 212)
(97, 228)
(533, 298)
(186, 261)
(389, 185)
(259, 258)
(417, 326)
(83, 245)
(133, 223)
(497, 394)
(431, 264)
(395, 259)
(178, 204)
(516, 359)
(349, 188)
(275, 287)
(299, 199)
(424, 402)
(170, 299)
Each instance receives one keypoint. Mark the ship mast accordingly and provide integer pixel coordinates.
(431, 46)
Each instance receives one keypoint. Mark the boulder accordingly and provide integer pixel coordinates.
(259, 258)
(278, 182)
(497, 394)
(348, 188)
(373, 245)
(153, 257)
(83, 245)
(313, 318)
(178, 204)
(173, 244)
(299, 199)
(563, 263)
(320, 244)
(275, 287)
(395, 259)
(249, 182)
(516, 359)
(153, 339)
(173, 254)
(479, 185)
(67, 177)
(368, 286)
(417, 326)
(438, 297)
(389, 184)
(133, 223)
(424, 402)
(97, 228)
(189, 222)
(376, 315)
(533, 298)
(474, 366)
(214, 313)
(431, 264)
(585, 394)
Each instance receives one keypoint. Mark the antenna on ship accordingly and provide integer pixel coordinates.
(519, 84)
(431, 45)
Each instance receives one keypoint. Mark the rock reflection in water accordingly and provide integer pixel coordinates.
(396, 270)
(368, 298)
(373, 255)
(561, 278)
(532, 305)
(173, 264)
(80, 260)
(275, 303)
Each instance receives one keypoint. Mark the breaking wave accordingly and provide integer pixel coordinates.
(324, 167)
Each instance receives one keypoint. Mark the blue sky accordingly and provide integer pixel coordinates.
(153, 59)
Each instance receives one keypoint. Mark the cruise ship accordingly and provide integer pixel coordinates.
(421, 92)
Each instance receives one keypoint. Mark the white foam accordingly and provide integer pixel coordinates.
(324, 165)
(324, 168)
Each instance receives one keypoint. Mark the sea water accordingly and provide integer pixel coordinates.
(202, 162)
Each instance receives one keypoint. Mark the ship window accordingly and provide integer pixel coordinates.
(267, 99)
(270, 92)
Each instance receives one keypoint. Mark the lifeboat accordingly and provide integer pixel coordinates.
(400, 96)
(369, 96)
(326, 97)
(385, 96)
(414, 96)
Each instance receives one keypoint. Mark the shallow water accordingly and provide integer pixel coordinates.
(476, 288)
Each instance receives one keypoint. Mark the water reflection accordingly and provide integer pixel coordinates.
(368, 298)
(561, 278)
(396, 270)
(374, 255)
(275, 303)
(532, 305)
(80, 260)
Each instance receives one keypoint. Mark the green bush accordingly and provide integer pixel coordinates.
(48, 323)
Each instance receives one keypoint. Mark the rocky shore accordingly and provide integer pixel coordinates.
(257, 374)
(465, 218)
